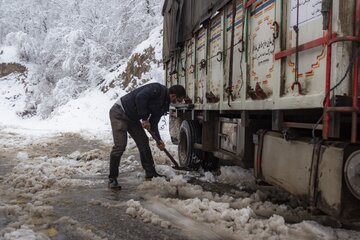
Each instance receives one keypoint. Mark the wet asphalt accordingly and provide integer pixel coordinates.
(111, 223)
(78, 203)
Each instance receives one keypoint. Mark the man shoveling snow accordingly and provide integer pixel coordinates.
(138, 110)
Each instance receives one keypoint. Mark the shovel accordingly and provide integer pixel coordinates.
(176, 167)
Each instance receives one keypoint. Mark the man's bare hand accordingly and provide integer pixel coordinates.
(161, 145)
(146, 125)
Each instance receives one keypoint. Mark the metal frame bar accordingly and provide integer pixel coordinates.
(355, 107)
(345, 39)
(328, 40)
(341, 109)
(303, 125)
(328, 81)
(303, 47)
(356, 77)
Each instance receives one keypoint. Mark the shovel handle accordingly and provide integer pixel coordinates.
(157, 140)
(171, 158)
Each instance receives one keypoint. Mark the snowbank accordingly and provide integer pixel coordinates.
(88, 114)
(135, 209)
(9, 54)
(24, 233)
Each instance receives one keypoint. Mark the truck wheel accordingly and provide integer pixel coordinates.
(174, 129)
(210, 162)
(190, 133)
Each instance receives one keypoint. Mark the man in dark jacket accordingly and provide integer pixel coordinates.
(138, 110)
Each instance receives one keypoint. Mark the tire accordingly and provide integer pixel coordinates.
(174, 129)
(210, 162)
(190, 133)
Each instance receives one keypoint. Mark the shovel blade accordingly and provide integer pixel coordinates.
(182, 168)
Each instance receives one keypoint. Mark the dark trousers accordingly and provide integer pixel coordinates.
(121, 125)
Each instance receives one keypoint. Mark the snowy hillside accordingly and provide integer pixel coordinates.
(63, 64)
(75, 51)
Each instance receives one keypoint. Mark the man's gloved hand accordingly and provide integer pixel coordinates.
(161, 145)
(146, 124)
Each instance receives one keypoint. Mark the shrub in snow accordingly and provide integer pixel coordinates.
(28, 46)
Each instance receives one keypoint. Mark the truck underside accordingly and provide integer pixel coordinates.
(282, 152)
(272, 85)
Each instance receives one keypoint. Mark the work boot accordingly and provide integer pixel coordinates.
(114, 166)
(147, 163)
(113, 184)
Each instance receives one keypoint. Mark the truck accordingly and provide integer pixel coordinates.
(272, 86)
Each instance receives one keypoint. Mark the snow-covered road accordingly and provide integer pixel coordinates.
(53, 186)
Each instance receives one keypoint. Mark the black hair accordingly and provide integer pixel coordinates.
(178, 90)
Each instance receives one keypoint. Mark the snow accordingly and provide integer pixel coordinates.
(8, 54)
(75, 102)
(135, 210)
(231, 216)
(174, 203)
(72, 44)
(87, 114)
(239, 175)
(208, 177)
(40, 179)
(24, 233)
(22, 156)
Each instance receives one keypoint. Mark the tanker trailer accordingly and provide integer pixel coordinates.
(272, 85)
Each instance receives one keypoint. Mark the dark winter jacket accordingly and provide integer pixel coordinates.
(148, 102)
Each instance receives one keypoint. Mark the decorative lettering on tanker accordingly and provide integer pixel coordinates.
(263, 50)
(262, 46)
(309, 10)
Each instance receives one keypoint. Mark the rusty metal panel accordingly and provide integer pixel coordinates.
(229, 136)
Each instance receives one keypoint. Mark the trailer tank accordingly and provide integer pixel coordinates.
(272, 85)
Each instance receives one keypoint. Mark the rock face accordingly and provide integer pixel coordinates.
(138, 64)
(8, 68)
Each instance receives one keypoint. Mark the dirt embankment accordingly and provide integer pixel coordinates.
(137, 65)
(8, 68)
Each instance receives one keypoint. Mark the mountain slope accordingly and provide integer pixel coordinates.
(73, 46)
